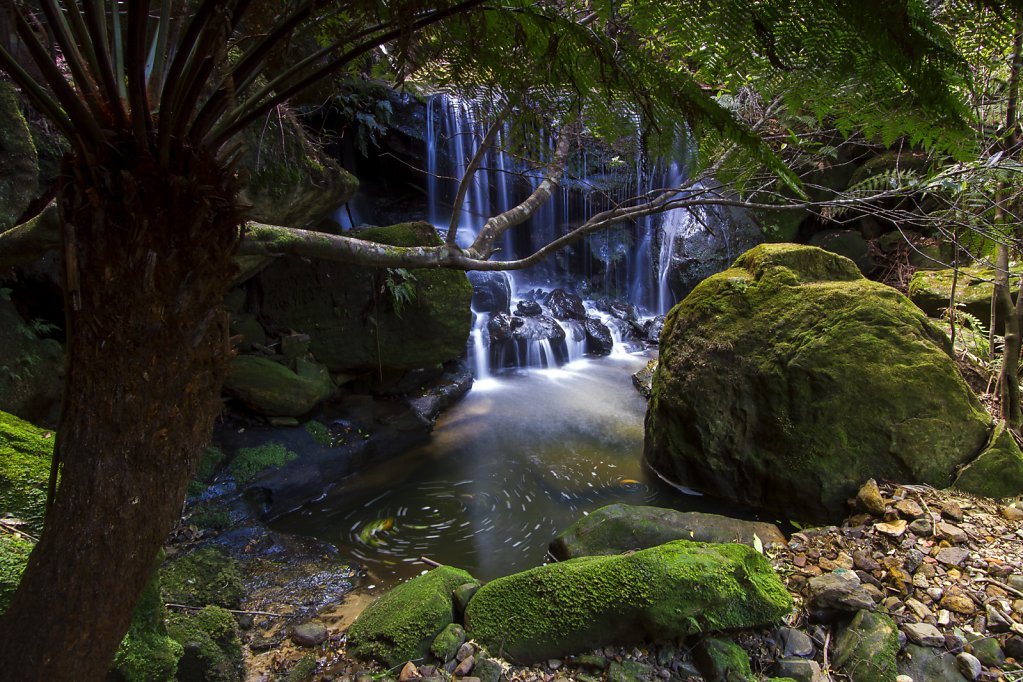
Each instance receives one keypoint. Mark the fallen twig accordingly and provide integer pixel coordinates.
(247, 613)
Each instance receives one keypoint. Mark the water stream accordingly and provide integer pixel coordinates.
(519, 459)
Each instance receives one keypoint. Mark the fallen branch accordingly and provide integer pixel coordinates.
(184, 607)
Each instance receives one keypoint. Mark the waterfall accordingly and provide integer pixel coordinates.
(575, 339)
(480, 346)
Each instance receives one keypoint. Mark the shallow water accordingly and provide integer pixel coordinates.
(519, 459)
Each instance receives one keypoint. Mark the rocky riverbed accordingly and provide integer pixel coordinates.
(916, 584)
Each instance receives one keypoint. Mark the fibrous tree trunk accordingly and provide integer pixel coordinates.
(148, 259)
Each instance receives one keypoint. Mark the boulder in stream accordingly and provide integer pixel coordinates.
(664, 592)
(620, 528)
(271, 389)
(788, 380)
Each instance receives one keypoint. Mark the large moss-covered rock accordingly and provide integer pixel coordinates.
(789, 380)
(402, 624)
(620, 528)
(866, 647)
(998, 470)
(19, 161)
(932, 290)
(273, 390)
(31, 367)
(672, 590)
(14, 553)
(361, 318)
(212, 651)
(25, 453)
(203, 577)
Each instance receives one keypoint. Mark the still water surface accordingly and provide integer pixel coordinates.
(516, 461)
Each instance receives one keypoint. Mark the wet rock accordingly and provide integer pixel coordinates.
(565, 306)
(924, 663)
(270, 389)
(720, 660)
(865, 648)
(643, 379)
(969, 666)
(837, 593)
(403, 623)
(309, 634)
(659, 593)
(621, 310)
(922, 527)
(621, 528)
(924, 634)
(491, 291)
(528, 309)
(598, 337)
(462, 594)
(795, 643)
(652, 328)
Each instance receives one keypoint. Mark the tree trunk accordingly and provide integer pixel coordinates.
(147, 254)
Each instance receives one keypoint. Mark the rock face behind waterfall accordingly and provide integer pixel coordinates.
(789, 379)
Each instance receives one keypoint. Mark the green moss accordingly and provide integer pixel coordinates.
(932, 289)
(206, 576)
(213, 651)
(248, 462)
(402, 624)
(446, 644)
(866, 648)
(273, 390)
(146, 653)
(721, 660)
(807, 382)
(672, 590)
(210, 518)
(319, 432)
(304, 670)
(998, 470)
(25, 453)
(212, 457)
(13, 557)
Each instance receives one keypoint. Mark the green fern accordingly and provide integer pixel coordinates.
(400, 284)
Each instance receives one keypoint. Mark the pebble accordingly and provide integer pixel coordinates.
(951, 510)
(409, 672)
(952, 533)
(909, 509)
(1014, 647)
(922, 527)
(893, 529)
(958, 603)
(1012, 513)
(464, 652)
(869, 498)
(935, 593)
(918, 608)
(952, 556)
(969, 666)
(464, 667)
(796, 643)
(924, 634)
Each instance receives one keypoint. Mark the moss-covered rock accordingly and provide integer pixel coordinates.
(865, 649)
(932, 289)
(31, 367)
(249, 462)
(272, 390)
(672, 590)
(721, 660)
(998, 470)
(25, 453)
(209, 640)
(402, 624)
(147, 653)
(206, 576)
(620, 528)
(14, 553)
(788, 380)
(353, 316)
(19, 181)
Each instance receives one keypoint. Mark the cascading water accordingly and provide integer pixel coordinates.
(480, 347)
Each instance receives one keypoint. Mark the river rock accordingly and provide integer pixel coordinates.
(565, 306)
(511, 338)
(868, 498)
(924, 634)
(795, 643)
(834, 594)
(620, 528)
(491, 291)
(352, 314)
(788, 380)
(403, 623)
(446, 644)
(309, 634)
(528, 308)
(618, 309)
(664, 592)
(998, 470)
(925, 663)
(865, 649)
(598, 337)
(720, 660)
(269, 388)
(969, 666)
(800, 670)
(643, 379)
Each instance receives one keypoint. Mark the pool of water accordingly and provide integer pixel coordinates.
(516, 461)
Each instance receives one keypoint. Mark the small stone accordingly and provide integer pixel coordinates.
(309, 634)
(869, 498)
(465, 651)
(968, 665)
(959, 603)
(952, 556)
(903, 678)
(935, 593)
(487, 670)
(922, 527)
(952, 533)
(909, 509)
(1012, 513)
(944, 617)
(920, 581)
(409, 672)
(914, 558)
(924, 634)
(952, 511)
(799, 669)
(1013, 648)
(1015, 581)
(918, 608)
(986, 649)
(894, 529)
(464, 667)
(462, 594)
(796, 643)
(836, 593)
(554, 663)
(864, 561)
(997, 621)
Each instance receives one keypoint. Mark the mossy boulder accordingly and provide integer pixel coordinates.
(19, 180)
(365, 318)
(673, 590)
(248, 463)
(206, 576)
(866, 647)
(269, 388)
(25, 453)
(14, 553)
(788, 380)
(721, 660)
(620, 528)
(147, 653)
(212, 651)
(31, 367)
(998, 470)
(931, 290)
(403, 623)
